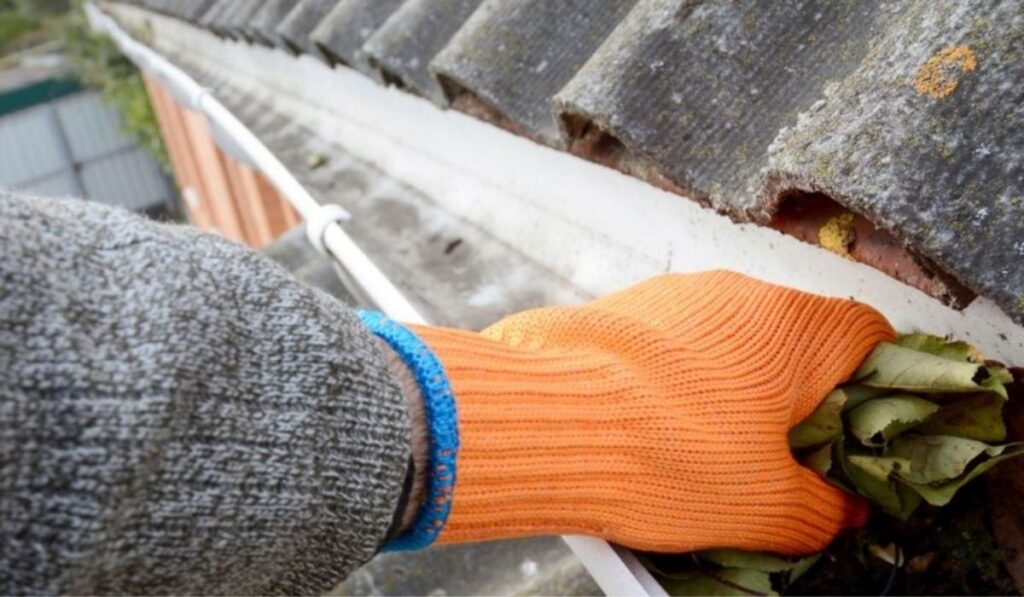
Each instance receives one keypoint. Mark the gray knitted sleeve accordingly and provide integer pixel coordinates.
(178, 415)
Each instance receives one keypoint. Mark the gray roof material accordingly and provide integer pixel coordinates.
(263, 26)
(907, 113)
(213, 16)
(701, 88)
(190, 10)
(514, 56)
(342, 33)
(406, 43)
(926, 139)
(296, 28)
(238, 22)
(193, 9)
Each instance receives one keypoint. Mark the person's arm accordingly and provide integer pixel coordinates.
(415, 488)
(179, 415)
(655, 417)
(182, 416)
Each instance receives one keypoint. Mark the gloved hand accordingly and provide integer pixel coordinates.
(655, 417)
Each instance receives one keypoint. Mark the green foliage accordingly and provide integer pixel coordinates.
(727, 572)
(978, 416)
(26, 23)
(822, 426)
(41, 8)
(14, 29)
(925, 438)
(723, 582)
(98, 64)
(877, 421)
(95, 60)
(911, 427)
(897, 367)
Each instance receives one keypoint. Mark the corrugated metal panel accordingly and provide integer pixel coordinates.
(57, 185)
(91, 127)
(75, 146)
(130, 179)
(29, 146)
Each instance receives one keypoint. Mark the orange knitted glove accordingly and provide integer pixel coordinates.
(655, 417)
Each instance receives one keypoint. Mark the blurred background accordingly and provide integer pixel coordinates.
(75, 119)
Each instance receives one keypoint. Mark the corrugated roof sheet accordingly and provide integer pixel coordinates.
(908, 113)
(303, 19)
(237, 22)
(29, 149)
(191, 10)
(129, 179)
(926, 139)
(57, 185)
(515, 56)
(700, 89)
(342, 33)
(74, 146)
(406, 43)
(263, 26)
(210, 18)
(92, 128)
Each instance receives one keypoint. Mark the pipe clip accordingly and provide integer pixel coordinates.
(316, 225)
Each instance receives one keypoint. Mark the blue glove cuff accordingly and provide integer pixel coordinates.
(442, 426)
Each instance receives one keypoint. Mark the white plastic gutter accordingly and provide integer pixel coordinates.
(617, 571)
(321, 220)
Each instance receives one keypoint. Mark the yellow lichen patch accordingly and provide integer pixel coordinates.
(940, 75)
(837, 234)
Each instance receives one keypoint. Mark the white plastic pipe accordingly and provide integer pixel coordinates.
(327, 235)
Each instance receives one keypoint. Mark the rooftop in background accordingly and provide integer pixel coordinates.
(59, 139)
(39, 65)
(905, 118)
